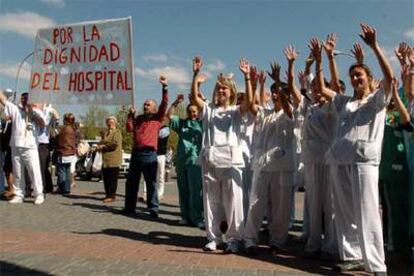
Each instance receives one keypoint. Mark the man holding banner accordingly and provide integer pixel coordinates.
(145, 128)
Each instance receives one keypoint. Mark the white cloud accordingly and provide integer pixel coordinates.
(10, 70)
(54, 3)
(216, 66)
(409, 34)
(156, 58)
(24, 23)
(175, 75)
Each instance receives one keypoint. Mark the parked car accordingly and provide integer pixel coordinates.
(126, 158)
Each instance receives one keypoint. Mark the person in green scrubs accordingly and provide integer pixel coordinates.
(189, 179)
(393, 178)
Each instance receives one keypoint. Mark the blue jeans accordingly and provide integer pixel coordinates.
(63, 176)
(145, 162)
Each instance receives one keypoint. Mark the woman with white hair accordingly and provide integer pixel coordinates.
(111, 148)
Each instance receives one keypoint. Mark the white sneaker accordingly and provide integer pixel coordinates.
(39, 200)
(211, 246)
(16, 200)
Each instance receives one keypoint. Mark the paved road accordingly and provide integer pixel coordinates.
(79, 235)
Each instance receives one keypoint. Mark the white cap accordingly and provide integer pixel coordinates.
(8, 92)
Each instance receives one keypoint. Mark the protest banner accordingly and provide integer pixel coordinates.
(84, 63)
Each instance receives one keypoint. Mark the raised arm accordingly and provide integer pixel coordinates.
(291, 56)
(262, 81)
(274, 74)
(316, 49)
(170, 113)
(249, 103)
(329, 46)
(369, 35)
(197, 80)
(164, 102)
(130, 120)
(358, 53)
(404, 115)
(402, 52)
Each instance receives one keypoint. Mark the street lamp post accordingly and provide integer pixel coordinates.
(18, 74)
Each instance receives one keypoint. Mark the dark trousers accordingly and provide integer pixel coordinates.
(145, 162)
(110, 180)
(44, 157)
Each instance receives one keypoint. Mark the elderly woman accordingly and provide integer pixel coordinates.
(111, 148)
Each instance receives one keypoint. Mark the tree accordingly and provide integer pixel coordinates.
(122, 116)
(93, 121)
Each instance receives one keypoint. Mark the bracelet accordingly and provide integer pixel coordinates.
(246, 79)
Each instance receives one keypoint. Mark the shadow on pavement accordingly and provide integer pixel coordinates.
(154, 237)
(140, 215)
(7, 268)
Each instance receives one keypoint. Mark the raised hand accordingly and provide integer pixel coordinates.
(180, 99)
(410, 56)
(132, 111)
(369, 35)
(290, 53)
(316, 48)
(275, 71)
(163, 80)
(376, 84)
(197, 64)
(244, 67)
(358, 53)
(330, 44)
(402, 52)
(262, 78)
(254, 76)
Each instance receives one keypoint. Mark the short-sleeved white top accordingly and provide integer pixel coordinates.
(318, 130)
(359, 129)
(274, 141)
(22, 136)
(221, 127)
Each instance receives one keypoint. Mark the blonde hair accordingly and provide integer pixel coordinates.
(228, 81)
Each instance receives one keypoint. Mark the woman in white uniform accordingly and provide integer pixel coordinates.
(273, 167)
(356, 152)
(221, 159)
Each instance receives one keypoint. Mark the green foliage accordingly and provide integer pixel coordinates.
(93, 122)
(127, 138)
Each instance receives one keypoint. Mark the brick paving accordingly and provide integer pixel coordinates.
(79, 235)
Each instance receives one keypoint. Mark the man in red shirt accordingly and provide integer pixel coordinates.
(145, 128)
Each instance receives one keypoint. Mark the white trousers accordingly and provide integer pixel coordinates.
(24, 158)
(223, 200)
(319, 205)
(160, 174)
(357, 215)
(271, 194)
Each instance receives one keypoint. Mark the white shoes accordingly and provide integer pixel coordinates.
(16, 200)
(211, 246)
(39, 200)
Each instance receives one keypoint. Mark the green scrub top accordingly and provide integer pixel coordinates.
(190, 133)
(393, 164)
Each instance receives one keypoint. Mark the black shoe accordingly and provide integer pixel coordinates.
(127, 212)
(153, 214)
(349, 266)
(252, 250)
(312, 254)
(274, 250)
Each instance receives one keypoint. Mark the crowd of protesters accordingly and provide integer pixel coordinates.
(241, 156)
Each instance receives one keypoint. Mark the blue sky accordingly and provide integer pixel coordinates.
(167, 34)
